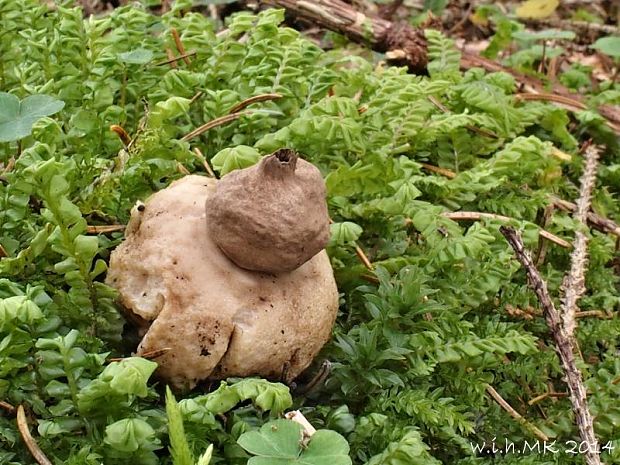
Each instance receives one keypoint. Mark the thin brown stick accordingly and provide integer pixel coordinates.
(7, 407)
(104, 229)
(196, 96)
(527, 313)
(573, 285)
(317, 380)
(582, 28)
(153, 354)
(597, 222)
(546, 395)
(594, 313)
(204, 161)
(172, 59)
(249, 101)
(541, 252)
(466, 17)
(514, 414)
(214, 123)
(179, 45)
(9, 166)
(121, 133)
(33, 447)
(475, 216)
(181, 169)
(564, 345)
(363, 257)
(436, 169)
(3, 253)
(566, 102)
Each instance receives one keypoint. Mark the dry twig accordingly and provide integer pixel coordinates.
(214, 123)
(573, 285)
(147, 355)
(460, 216)
(514, 414)
(173, 60)
(205, 163)
(582, 28)
(179, 45)
(544, 396)
(437, 169)
(105, 229)
(564, 345)
(541, 252)
(7, 407)
(249, 101)
(562, 100)
(594, 313)
(597, 222)
(121, 133)
(33, 447)
(363, 257)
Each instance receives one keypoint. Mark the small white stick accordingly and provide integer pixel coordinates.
(298, 417)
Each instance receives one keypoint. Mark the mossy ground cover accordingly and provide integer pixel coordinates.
(444, 317)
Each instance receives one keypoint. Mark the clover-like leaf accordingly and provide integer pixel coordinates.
(138, 56)
(610, 46)
(279, 442)
(17, 117)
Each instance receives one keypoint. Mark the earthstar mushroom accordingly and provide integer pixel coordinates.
(219, 319)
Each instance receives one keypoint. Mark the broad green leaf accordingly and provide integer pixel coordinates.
(129, 435)
(235, 158)
(537, 9)
(130, 375)
(608, 45)
(18, 309)
(17, 118)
